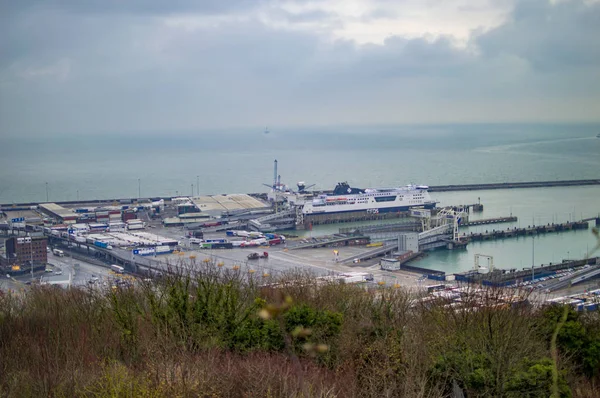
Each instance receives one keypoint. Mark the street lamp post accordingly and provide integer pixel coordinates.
(139, 188)
(532, 258)
(198, 185)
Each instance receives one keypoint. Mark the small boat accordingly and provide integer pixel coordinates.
(598, 136)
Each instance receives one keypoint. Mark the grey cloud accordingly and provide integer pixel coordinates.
(548, 36)
(309, 16)
(118, 72)
(127, 6)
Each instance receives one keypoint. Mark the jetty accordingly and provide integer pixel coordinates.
(529, 230)
(484, 221)
(512, 185)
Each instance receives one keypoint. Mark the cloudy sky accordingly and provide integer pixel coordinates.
(139, 65)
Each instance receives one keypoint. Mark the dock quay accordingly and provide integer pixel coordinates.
(502, 277)
(408, 225)
(512, 185)
(498, 220)
(529, 230)
(331, 241)
(323, 219)
(376, 252)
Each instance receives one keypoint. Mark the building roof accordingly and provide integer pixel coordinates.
(227, 202)
(57, 210)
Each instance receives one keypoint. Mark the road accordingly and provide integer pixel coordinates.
(66, 271)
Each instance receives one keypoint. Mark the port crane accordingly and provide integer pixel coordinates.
(278, 186)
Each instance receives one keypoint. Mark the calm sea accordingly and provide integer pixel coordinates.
(109, 166)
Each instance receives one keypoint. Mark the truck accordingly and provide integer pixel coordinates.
(256, 256)
(196, 234)
(216, 241)
(222, 245)
(103, 245)
(58, 252)
(117, 268)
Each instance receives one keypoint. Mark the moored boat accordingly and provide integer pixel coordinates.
(372, 200)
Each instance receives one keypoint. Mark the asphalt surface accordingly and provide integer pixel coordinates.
(66, 271)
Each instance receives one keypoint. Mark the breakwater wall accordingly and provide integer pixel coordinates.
(432, 188)
(530, 230)
(501, 277)
(512, 185)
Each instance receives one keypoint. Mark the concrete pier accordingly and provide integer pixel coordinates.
(529, 230)
(511, 185)
(485, 221)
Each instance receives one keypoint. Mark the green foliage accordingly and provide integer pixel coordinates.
(474, 372)
(578, 337)
(323, 324)
(533, 379)
(256, 334)
(216, 334)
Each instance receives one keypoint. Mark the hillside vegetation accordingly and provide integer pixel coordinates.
(216, 334)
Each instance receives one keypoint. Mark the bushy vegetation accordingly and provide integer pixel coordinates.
(219, 333)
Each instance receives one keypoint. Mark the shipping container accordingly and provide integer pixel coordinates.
(103, 245)
(260, 241)
(128, 216)
(163, 249)
(216, 240)
(227, 245)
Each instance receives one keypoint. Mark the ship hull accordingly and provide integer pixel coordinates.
(374, 210)
(374, 201)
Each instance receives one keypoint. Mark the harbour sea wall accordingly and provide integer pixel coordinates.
(432, 188)
(511, 185)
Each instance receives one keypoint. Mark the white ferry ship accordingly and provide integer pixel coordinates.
(346, 199)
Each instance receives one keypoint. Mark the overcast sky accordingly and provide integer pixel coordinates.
(92, 66)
